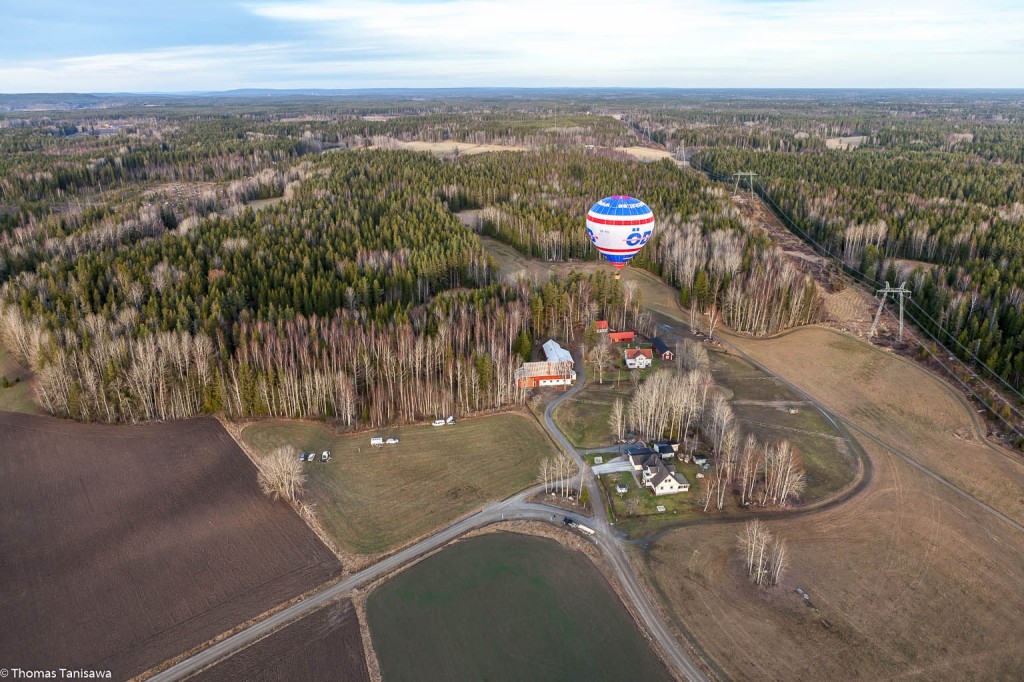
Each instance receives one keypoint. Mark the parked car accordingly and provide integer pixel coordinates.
(376, 441)
(391, 441)
(302, 456)
(438, 422)
(326, 456)
(312, 457)
(449, 420)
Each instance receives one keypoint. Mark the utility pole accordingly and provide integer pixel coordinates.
(746, 174)
(899, 292)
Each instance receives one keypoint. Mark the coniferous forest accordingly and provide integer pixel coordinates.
(286, 258)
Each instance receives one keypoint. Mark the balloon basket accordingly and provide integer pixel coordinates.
(618, 274)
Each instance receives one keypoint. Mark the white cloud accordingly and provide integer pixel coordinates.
(682, 43)
(667, 43)
(175, 68)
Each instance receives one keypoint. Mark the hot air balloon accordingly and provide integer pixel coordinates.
(619, 226)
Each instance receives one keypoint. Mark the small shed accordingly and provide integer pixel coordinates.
(662, 349)
(620, 337)
(602, 326)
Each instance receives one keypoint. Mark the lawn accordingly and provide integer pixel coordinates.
(17, 397)
(680, 505)
(371, 500)
(583, 418)
(506, 607)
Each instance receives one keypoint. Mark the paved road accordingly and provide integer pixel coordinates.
(612, 549)
(513, 508)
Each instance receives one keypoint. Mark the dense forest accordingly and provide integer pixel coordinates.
(139, 282)
(948, 224)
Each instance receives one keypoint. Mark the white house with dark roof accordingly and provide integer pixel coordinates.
(655, 474)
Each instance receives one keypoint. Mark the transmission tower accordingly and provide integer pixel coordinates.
(745, 174)
(899, 292)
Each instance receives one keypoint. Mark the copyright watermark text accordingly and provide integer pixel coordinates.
(54, 674)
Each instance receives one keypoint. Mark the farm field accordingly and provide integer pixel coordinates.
(124, 546)
(325, 646)
(16, 397)
(505, 606)
(917, 583)
(893, 399)
(371, 500)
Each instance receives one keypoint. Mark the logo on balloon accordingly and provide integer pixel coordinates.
(638, 239)
(593, 237)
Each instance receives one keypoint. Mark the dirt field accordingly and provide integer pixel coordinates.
(447, 147)
(916, 582)
(325, 646)
(18, 396)
(893, 399)
(125, 546)
(371, 500)
(646, 153)
(526, 608)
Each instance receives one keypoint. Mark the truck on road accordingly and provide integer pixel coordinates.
(586, 530)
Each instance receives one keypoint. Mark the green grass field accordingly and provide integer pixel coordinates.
(762, 403)
(506, 607)
(828, 461)
(583, 418)
(371, 499)
(18, 396)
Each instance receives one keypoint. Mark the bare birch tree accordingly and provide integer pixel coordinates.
(617, 419)
(281, 475)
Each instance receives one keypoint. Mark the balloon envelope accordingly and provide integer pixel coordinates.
(619, 227)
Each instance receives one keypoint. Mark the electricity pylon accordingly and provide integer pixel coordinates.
(900, 292)
(746, 174)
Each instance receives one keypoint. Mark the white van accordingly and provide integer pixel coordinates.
(438, 422)
(376, 441)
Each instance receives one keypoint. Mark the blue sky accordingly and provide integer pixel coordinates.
(185, 45)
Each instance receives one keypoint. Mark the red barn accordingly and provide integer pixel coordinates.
(620, 337)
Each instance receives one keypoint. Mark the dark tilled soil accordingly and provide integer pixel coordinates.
(322, 647)
(122, 547)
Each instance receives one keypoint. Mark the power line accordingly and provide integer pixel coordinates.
(826, 251)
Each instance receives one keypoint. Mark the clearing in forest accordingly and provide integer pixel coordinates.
(373, 499)
(124, 546)
(15, 386)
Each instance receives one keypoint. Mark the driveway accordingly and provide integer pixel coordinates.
(615, 466)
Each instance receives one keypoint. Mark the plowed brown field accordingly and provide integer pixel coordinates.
(121, 547)
(325, 646)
